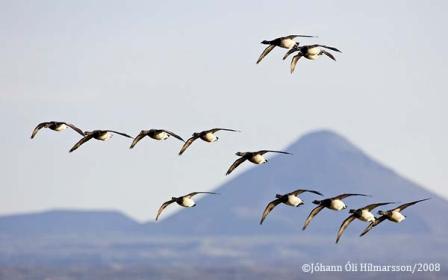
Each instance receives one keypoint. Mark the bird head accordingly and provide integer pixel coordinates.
(352, 211)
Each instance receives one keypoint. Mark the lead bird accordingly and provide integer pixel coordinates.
(102, 135)
(286, 42)
(206, 135)
(334, 203)
(254, 157)
(311, 52)
(156, 134)
(290, 199)
(363, 214)
(184, 201)
(56, 126)
(393, 215)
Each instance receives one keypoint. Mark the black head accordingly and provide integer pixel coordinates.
(351, 211)
(318, 202)
(265, 42)
(196, 134)
(240, 154)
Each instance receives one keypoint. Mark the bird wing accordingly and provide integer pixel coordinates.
(82, 141)
(373, 224)
(190, 195)
(290, 51)
(174, 135)
(295, 36)
(39, 127)
(262, 152)
(72, 126)
(344, 225)
(235, 164)
(213, 130)
(120, 133)
(164, 205)
(265, 52)
(344, 195)
(271, 205)
(406, 205)
(294, 61)
(299, 191)
(327, 47)
(139, 137)
(329, 55)
(187, 144)
(313, 213)
(370, 207)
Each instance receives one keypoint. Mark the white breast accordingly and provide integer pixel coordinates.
(188, 202)
(209, 137)
(161, 136)
(367, 216)
(257, 159)
(104, 136)
(337, 204)
(314, 51)
(60, 127)
(293, 200)
(287, 43)
(397, 217)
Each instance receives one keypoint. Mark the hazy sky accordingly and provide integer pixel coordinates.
(190, 65)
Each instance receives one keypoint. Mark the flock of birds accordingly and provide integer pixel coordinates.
(335, 203)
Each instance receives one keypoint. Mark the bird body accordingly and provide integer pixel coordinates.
(254, 157)
(257, 159)
(337, 205)
(311, 52)
(286, 42)
(156, 134)
(209, 137)
(184, 201)
(55, 126)
(102, 135)
(206, 135)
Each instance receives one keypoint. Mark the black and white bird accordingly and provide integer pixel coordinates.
(393, 215)
(56, 126)
(102, 135)
(254, 157)
(184, 201)
(335, 203)
(286, 42)
(311, 52)
(290, 199)
(206, 135)
(363, 214)
(156, 134)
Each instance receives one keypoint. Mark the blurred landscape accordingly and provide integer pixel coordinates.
(221, 237)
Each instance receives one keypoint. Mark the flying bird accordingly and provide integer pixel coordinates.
(334, 203)
(286, 42)
(393, 215)
(184, 201)
(254, 157)
(311, 52)
(102, 135)
(56, 126)
(363, 214)
(291, 199)
(206, 135)
(157, 134)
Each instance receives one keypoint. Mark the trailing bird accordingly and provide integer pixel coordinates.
(254, 157)
(157, 134)
(102, 135)
(363, 214)
(334, 203)
(311, 52)
(393, 215)
(286, 42)
(206, 135)
(184, 201)
(291, 199)
(56, 126)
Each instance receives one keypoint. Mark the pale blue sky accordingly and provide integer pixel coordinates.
(187, 66)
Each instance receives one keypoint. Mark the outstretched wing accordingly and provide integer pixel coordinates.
(164, 205)
(373, 224)
(174, 135)
(265, 52)
(370, 207)
(39, 127)
(313, 213)
(294, 61)
(271, 205)
(299, 191)
(344, 225)
(290, 51)
(262, 152)
(235, 164)
(295, 36)
(82, 141)
(344, 195)
(187, 144)
(213, 130)
(75, 128)
(139, 137)
(329, 55)
(190, 195)
(327, 47)
(406, 205)
(120, 133)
